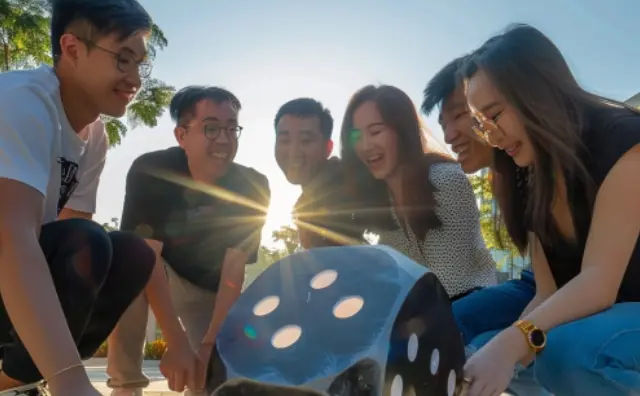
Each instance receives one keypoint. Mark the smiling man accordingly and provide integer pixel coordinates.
(302, 150)
(492, 307)
(64, 281)
(203, 215)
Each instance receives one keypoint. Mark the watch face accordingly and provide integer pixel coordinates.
(537, 337)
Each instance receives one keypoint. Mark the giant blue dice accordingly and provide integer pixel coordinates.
(357, 320)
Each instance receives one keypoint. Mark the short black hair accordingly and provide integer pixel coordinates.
(124, 17)
(443, 84)
(307, 107)
(184, 101)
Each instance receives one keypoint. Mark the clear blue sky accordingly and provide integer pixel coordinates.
(268, 52)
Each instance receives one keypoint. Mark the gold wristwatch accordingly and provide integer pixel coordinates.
(536, 338)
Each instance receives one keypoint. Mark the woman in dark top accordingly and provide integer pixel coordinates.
(567, 179)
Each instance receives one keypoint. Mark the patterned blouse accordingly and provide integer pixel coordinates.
(455, 252)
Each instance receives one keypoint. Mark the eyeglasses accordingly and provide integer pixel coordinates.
(125, 62)
(212, 131)
(486, 129)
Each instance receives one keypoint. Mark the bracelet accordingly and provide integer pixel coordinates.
(57, 373)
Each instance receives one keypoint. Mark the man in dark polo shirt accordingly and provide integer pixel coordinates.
(203, 214)
(303, 146)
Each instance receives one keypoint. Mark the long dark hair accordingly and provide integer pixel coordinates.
(531, 73)
(417, 203)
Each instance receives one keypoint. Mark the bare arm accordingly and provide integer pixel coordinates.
(545, 284)
(612, 236)
(231, 281)
(179, 364)
(157, 292)
(28, 292)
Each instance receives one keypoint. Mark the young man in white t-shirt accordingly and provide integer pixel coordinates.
(64, 282)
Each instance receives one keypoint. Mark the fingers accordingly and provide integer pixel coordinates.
(201, 373)
(193, 376)
(177, 381)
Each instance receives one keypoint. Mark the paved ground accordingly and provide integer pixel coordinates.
(96, 368)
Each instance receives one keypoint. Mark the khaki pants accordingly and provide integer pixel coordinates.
(194, 307)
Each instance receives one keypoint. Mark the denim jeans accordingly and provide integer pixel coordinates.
(595, 355)
(494, 307)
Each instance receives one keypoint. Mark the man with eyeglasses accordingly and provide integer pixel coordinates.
(203, 215)
(64, 281)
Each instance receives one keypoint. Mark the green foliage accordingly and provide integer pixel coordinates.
(493, 231)
(154, 350)
(114, 225)
(289, 237)
(115, 129)
(25, 42)
(149, 104)
(24, 34)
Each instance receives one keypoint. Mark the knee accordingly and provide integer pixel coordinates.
(90, 250)
(561, 367)
(133, 259)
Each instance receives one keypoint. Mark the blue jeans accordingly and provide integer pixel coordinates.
(493, 308)
(595, 355)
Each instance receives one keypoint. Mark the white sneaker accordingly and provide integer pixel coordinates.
(35, 389)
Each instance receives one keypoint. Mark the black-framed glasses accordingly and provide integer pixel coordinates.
(212, 131)
(125, 61)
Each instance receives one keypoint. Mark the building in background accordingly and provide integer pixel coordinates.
(634, 100)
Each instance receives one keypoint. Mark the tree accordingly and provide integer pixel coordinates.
(24, 33)
(25, 42)
(288, 236)
(114, 225)
(493, 231)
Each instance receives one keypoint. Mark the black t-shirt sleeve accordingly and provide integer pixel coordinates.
(248, 218)
(141, 211)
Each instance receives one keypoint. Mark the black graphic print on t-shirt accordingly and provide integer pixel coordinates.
(68, 181)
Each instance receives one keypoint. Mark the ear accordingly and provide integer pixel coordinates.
(70, 46)
(329, 147)
(180, 132)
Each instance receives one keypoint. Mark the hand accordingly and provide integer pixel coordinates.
(179, 365)
(491, 368)
(204, 355)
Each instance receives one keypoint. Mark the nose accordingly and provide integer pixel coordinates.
(133, 79)
(451, 133)
(223, 137)
(494, 136)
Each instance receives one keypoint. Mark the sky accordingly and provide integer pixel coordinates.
(268, 52)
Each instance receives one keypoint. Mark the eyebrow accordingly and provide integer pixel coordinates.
(373, 124)
(211, 118)
(489, 107)
(145, 55)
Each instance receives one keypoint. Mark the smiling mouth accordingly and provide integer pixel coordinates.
(220, 155)
(513, 149)
(128, 95)
(374, 160)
